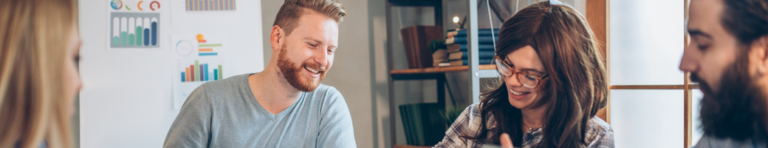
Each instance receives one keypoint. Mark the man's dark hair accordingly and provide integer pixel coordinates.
(747, 20)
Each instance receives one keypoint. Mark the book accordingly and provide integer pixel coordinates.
(463, 47)
(463, 40)
(466, 62)
(480, 32)
(465, 55)
(416, 40)
(444, 64)
(407, 125)
(417, 117)
(423, 123)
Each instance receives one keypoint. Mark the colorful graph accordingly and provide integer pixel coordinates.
(201, 72)
(134, 30)
(210, 5)
(206, 49)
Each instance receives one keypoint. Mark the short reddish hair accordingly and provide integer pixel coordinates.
(288, 16)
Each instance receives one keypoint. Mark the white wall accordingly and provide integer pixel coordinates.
(126, 96)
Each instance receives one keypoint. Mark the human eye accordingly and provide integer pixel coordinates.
(530, 77)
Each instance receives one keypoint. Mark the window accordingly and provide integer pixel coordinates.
(651, 101)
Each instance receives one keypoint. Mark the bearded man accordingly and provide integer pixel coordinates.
(283, 106)
(728, 57)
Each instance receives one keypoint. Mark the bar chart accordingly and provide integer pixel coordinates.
(206, 48)
(210, 5)
(134, 30)
(198, 59)
(201, 72)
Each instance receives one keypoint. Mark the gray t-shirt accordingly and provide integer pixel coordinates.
(758, 140)
(225, 113)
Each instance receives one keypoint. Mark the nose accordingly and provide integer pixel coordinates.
(512, 80)
(690, 60)
(321, 59)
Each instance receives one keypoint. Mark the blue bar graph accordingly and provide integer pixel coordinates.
(146, 37)
(215, 74)
(207, 54)
(154, 33)
(205, 67)
(183, 77)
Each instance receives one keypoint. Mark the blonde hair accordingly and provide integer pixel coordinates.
(288, 15)
(34, 36)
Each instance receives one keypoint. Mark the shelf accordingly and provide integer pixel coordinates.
(438, 69)
(432, 73)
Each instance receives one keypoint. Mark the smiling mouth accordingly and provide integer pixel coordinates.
(312, 70)
(518, 93)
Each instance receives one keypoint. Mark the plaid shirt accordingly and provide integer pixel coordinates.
(599, 133)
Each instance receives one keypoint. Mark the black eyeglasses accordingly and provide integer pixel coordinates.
(528, 78)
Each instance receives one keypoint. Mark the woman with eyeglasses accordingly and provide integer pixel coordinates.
(39, 52)
(553, 84)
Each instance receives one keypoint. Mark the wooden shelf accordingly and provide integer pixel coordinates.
(439, 69)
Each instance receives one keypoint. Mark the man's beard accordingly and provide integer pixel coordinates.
(737, 108)
(292, 73)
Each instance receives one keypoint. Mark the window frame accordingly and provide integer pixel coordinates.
(598, 15)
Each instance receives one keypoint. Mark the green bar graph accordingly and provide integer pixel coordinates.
(197, 77)
(123, 38)
(131, 39)
(139, 35)
(210, 45)
(220, 74)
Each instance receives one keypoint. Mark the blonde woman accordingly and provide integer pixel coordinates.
(39, 48)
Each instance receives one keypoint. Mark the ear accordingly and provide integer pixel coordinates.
(759, 55)
(275, 38)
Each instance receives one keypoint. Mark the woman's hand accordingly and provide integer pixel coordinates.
(506, 142)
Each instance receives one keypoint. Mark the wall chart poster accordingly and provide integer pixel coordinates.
(134, 24)
(198, 59)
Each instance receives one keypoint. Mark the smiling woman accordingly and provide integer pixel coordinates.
(553, 84)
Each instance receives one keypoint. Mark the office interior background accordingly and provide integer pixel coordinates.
(130, 98)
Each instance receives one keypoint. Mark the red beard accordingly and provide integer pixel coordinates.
(292, 73)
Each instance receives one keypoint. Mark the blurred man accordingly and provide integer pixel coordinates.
(728, 57)
(283, 106)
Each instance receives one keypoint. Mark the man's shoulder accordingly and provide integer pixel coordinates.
(225, 87)
(232, 83)
(220, 92)
(713, 142)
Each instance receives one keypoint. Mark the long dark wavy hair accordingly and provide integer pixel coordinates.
(576, 88)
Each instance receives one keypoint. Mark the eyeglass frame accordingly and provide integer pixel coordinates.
(518, 72)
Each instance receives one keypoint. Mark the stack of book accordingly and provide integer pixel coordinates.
(457, 46)
(423, 123)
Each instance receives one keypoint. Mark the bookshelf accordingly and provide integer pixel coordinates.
(438, 69)
(475, 70)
